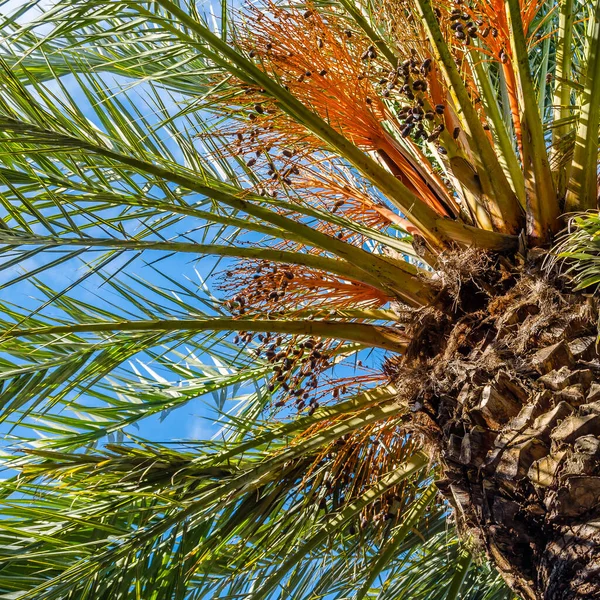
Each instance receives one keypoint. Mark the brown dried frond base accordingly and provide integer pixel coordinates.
(511, 404)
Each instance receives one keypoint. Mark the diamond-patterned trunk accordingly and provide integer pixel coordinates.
(513, 407)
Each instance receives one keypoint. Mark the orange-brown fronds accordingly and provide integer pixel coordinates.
(337, 73)
(358, 460)
(321, 63)
(486, 21)
(267, 288)
(326, 188)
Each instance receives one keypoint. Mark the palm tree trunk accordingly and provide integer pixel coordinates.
(514, 408)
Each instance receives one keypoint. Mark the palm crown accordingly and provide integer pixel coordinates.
(348, 165)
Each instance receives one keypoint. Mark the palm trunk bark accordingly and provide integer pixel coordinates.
(513, 405)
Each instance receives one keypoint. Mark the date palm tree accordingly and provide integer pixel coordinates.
(398, 334)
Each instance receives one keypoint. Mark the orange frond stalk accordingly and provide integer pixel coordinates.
(492, 30)
(358, 460)
(330, 72)
(326, 188)
(260, 288)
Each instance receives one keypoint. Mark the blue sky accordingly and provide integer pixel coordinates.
(195, 420)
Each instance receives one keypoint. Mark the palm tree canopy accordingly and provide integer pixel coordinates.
(253, 198)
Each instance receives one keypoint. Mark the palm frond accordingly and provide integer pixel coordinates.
(579, 249)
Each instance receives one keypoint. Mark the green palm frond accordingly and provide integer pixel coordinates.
(579, 251)
(211, 526)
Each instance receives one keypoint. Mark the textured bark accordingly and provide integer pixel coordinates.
(513, 407)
